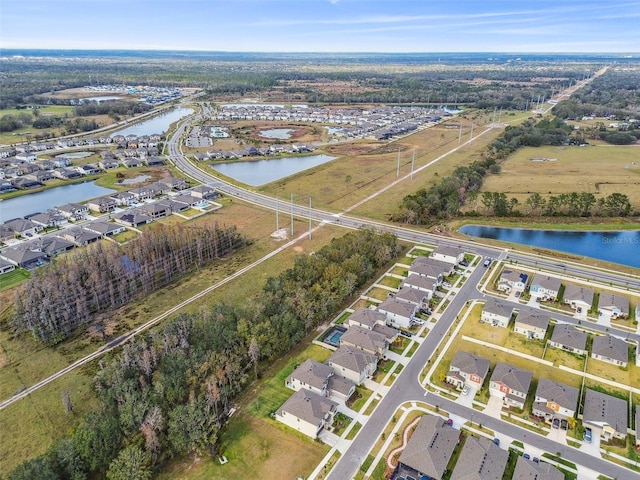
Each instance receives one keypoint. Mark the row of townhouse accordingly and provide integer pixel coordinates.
(553, 400)
(547, 288)
(276, 149)
(606, 348)
(37, 252)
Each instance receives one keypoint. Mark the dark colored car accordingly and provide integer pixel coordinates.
(536, 460)
(526, 456)
(496, 441)
(556, 423)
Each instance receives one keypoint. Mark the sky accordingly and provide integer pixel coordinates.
(324, 25)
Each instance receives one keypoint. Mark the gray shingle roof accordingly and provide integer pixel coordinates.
(411, 295)
(469, 363)
(351, 359)
(509, 275)
(399, 307)
(574, 292)
(612, 347)
(562, 394)
(308, 406)
(602, 408)
(430, 447)
(312, 373)
(513, 377)
(570, 336)
(480, 459)
(368, 317)
(533, 319)
(613, 300)
(419, 282)
(546, 282)
(528, 470)
(497, 308)
(366, 339)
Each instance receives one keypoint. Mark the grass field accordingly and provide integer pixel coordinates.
(600, 169)
(10, 279)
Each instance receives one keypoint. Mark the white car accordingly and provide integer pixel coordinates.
(465, 390)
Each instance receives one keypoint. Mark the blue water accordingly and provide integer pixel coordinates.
(618, 247)
(158, 124)
(18, 207)
(260, 172)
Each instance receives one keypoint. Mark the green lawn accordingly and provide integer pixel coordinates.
(389, 281)
(13, 278)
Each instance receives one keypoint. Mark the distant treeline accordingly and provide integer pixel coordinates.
(168, 394)
(75, 289)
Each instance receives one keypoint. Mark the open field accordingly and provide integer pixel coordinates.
(25, 361)
(364, 167)
(600, 169)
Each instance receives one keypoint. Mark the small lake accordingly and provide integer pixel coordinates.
(31, 203)
(134, 180)
(158, 124)
(260, 172)
(279, 133)
(101, 98)
(76, 155)
(621, 247)
(333, 130)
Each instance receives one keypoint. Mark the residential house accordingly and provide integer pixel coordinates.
(26, 157)
(366, 340)
(73, 211)
(512, 280)
(24, 183)
(307, 412)
(555, 400)
(496, 313)
(143, 193)
(532, 325)
(399, 314)
(80, 236)
(131, 162)
(53, 246)
(88, 169)
(102, 204)
(6, 267)
(132, 218)
(124, 199)
(353, 364)
(105, 229)
(511, 384)
(66, 173)
(204, 192)
(605, 414)
(48, 219)
(418, 282)
(414, 296)
(153, 161)
(529, 470)
(430, 447)
(174, 183)
(480, 459)
(6, 233)
(545, 287)
(610, 349)
(366, 318)
(40, 176)
(613, 305)
(569, 338)
(446, 268)
(108, 163)
(311, 375)
(467, 369)
(580, 298)
(186, 199)
(155, 210)
(448, 254)
(23, 256)
(24, 227)
(61, 162)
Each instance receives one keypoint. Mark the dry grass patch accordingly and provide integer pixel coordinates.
(560, 357)
(482, 331)
(601, 170)
(520, 343)
(626, 376)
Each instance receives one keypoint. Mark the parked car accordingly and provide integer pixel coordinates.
(487, 261)
(496, 442)
(527, 456)
(518, 294)
(404, 333)
(464, 263)
(556, 423)
(465, 390)
(564, 424)
(587, 435)
(536, 460)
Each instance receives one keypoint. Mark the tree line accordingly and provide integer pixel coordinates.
(76, 289)
(168, 394)
(572, 204)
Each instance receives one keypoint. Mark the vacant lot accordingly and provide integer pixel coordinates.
(600, 169)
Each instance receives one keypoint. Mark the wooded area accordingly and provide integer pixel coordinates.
(168, 393)
(74, 290)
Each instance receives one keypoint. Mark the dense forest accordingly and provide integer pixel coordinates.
(168, 394)
(74, 290)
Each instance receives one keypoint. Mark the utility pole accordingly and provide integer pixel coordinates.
(309, 218)
(277, 216)
(398, 168)
(460, 132)
(413, 161)
(292, 214)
